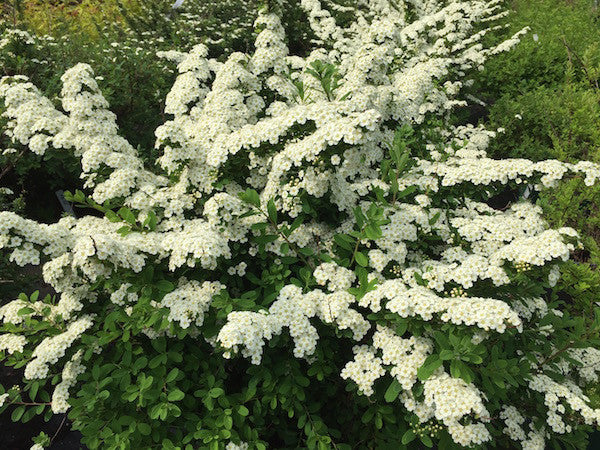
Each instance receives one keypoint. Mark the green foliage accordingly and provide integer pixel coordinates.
(540, 62)
(545, 95)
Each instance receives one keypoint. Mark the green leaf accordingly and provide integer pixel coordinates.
(17, 413)
(112, 216)
(373, 232)
(401, 327)
(392, 391)
(459, 369)
(175, 396)
(165, 286)
(216, 392)
(151, 221)
(144, 428)
(455, 369)
(434, 219)
(172, 375)
(446, 355)
(359, 216)
(409, 190)
(243, 411)
(408, 437)
(127, 215)
(251, 196)
(34, 390)
(426, 440)
(266, 239)
(306, 251)
(361, 259)
(26, 310)
(140, 363)
(272, 211)
(344, 241)
(429, 366)
(124, 230)
(157, 361)
(146, 382)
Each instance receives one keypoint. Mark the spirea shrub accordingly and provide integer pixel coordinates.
(316, 258)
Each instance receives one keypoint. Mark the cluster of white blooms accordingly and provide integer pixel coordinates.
(364, 369)
(12, 343)
(72, 369)
(405, 355)
(335, 277)
(25, 236)
(485, 313)
(589, 358)
(51, 349)
(121, 296)
(33, 119)
(265, 120)
(449, 400)
(513, 420)
(9, 313)
(291, 310)
(3, 398)
(189, 301)
(528, 308)
(11, 35)
(560, 399)
(240, 446)
(248, 330)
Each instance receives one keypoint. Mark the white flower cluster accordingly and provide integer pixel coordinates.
(291, 310)
(189, 301)
(335, 277)
(405, 355)
(364, 369)
(122, 297)
(558, 397)
(589, 358)
(51, 349)
(72, 369)
(240, 446)
(485, 313)
(12, 343)
(449, 400)
(3, 398)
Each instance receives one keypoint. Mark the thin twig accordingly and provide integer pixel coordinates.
(11, 165)
(308, 262)
(59, 428)
(562, 350)
(30, 403)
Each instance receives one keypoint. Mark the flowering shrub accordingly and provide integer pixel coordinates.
(313, 260)
(132, 78)
(224, 26)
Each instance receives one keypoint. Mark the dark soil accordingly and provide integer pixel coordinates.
(19, 435)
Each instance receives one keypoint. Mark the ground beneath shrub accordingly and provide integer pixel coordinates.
(18, 436)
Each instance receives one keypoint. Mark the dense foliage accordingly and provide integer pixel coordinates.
(306, 254)
(548, 106)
